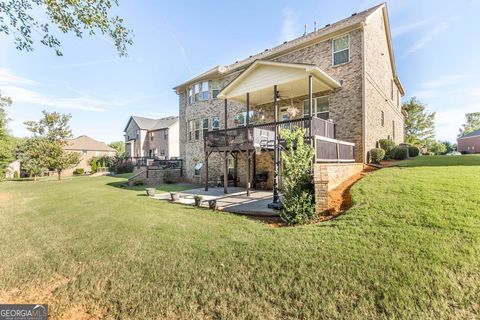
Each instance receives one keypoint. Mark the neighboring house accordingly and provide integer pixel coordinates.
(152, 138)
(12, 168)
(469, 143)
(88, 148)
(345, 71)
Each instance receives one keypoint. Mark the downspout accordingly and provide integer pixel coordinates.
(364, 96)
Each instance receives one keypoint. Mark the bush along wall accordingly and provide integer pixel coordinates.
(298, 204)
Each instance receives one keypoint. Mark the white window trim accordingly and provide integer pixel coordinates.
(333, 51)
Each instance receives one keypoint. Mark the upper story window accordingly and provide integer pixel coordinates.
(138, 134)
(321, 107)
(382, 119)
(205, 124)
(151, 136)
(391, 90)
(215, 88)
(205, 90)
(194, 130)
(197, 91)
(215, 123)
(398, 99)
(341, 50)
(165, 134)
(190, 95)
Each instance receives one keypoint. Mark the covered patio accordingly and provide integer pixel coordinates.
(236, 201)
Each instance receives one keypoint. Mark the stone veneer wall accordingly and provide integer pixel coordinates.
(153, 176)
(327, 176)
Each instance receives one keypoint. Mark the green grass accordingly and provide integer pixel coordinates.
(408, 249)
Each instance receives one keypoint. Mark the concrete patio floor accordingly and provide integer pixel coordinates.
(235, 201)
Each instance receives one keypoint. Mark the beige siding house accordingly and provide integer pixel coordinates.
(338, 83)
(152, 138)
(87, 148)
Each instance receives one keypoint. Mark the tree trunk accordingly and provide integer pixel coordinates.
(59, 172)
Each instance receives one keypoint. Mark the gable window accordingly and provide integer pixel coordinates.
(215, 88)
(215, 123)
(138, 134)
(197, 91)
(341, 50)
(398, 99)
(382, 119)
(242, 117)
(151, 136)
(190, 95)
(165, 134)
(320, 107)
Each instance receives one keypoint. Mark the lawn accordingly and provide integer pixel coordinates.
(409, 248)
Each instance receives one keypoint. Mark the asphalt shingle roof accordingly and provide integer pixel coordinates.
(471, 134)
(87, 143)
(154, 124)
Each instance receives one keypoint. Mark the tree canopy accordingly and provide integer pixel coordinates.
(472, 123)
(419, 124)
(20, 19)
(6, 141)
(119, 146)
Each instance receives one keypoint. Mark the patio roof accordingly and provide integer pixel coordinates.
(291, 80)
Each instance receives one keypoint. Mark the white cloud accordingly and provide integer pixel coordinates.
(449, 120)
(446, 80)
(430, 36)
(406, 28)
(7, 77)
(289, 25)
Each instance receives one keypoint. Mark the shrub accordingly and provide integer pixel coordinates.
(413, 151)
(169, 177)
(16, 175)
(400, 153)
(377, 155)
(298, 208)
(125, 167)
(79, 171)
(94, 167)
(387, 145)
(298, 205)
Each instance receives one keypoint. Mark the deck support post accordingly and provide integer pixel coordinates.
(247, 123)
(275, 203)
(225, 164)
(310, 106)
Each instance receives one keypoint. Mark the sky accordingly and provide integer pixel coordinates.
(435, 44)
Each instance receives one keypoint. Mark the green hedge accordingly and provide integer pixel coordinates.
(79, 171)
(377, 155)
(387, 145)
(400, 152)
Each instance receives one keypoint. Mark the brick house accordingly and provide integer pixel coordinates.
(152, 138)
(339, 83)
(469, 143)
(87, 148)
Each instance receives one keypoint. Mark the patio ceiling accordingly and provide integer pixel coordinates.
(291, 80)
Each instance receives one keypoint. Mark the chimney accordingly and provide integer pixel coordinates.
(305, 31)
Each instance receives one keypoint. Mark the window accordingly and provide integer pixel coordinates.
(193, 130)
(197, 91)
(321, 105)
(231, 167)
(382, 119)
(205, 90)
(151, 136)
(165, 134)
(391, 90)
(162, 153)
(190, 95)
(138, 134)
(205, 124)
(341, 50)
(215, 88)
(393, 129)
(398, 99)
(241, 118)
(215, 123)
(84, 152)
(197, 169)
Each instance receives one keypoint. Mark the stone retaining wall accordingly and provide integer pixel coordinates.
(327, 176)
(154, 176)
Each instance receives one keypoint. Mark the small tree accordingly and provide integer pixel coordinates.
(419, 124)
(298, 206)
(52, 132)
(119, 146)
(94, 165)
(31, 156)
(472, 123)
(436, 147)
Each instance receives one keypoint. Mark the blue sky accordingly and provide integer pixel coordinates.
(435, 42)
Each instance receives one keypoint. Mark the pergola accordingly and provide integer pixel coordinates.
(261, 83)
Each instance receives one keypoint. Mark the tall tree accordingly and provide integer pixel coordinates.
(52, 132)
(119, 146)
(472, 123)
(20, 19)
(6, 141)
(419, 124)
(31, 155)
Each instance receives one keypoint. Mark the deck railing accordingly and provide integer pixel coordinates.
(242, 135)
(332, 150)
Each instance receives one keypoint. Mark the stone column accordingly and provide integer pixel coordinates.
(320, 179)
